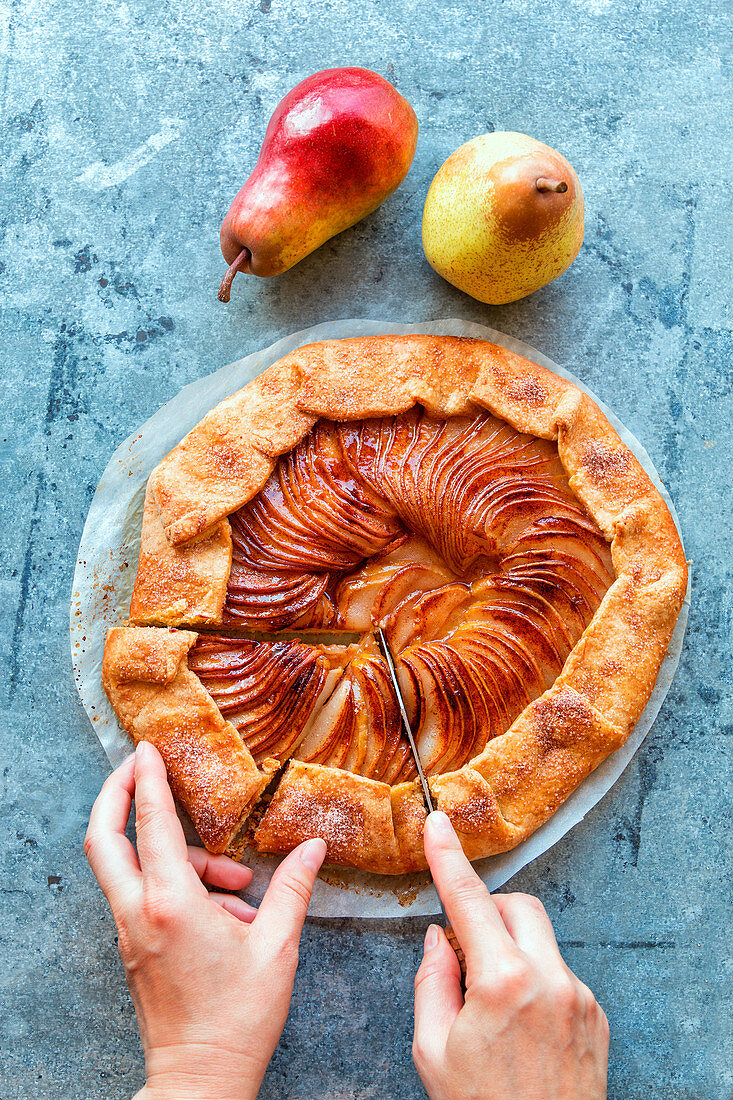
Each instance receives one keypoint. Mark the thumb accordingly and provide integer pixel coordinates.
(438, 995)
(282, 910)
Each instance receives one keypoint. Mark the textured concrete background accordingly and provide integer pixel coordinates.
(127, 128)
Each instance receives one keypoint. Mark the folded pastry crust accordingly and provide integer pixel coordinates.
(146, 676)
(519, 778)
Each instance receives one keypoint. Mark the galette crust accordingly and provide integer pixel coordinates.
(517, 782)
(180, 584)
(227, 458)
(365, 823)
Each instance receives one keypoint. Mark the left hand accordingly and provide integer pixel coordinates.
(211, 977)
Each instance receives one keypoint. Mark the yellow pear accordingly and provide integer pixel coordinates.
(503, 217)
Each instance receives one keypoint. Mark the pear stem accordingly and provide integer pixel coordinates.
(226, 284)
(545, 184)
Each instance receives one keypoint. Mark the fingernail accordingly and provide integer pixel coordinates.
(431, 937)
(440, 824)
(313, 853)
(140, 750)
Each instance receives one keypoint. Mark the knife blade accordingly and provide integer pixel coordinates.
(407, 729)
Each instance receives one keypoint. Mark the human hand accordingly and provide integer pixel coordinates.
(527, 1028)
(210, 977)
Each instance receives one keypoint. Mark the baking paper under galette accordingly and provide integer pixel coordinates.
(478, 507)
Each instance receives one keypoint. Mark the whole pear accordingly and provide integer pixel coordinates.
(503, 217)
(336, 146)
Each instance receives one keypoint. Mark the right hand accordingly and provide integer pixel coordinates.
(526, 1028)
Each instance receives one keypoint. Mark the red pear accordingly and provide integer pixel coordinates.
(337, 145)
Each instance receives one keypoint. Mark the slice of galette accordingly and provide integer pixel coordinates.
(480, 508)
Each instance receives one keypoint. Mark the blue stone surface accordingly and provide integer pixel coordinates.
(127, 128)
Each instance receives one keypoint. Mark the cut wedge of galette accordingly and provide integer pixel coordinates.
(478, 507)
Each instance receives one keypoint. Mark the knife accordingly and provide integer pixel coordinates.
(389, 661)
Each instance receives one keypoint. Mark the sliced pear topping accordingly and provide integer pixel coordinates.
(270, 691)
(461, 537)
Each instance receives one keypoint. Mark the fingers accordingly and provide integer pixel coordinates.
(282, 910)
(234, 905)
(224, 872)
(438, 996)
(529, 926)
(111, 855)
(219, 870)
(161, 845)
(470, 908)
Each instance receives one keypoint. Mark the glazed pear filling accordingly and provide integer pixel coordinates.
(460, 536)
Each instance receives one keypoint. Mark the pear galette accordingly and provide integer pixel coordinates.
(480, 508)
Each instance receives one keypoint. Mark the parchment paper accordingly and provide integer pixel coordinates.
(105, 573)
